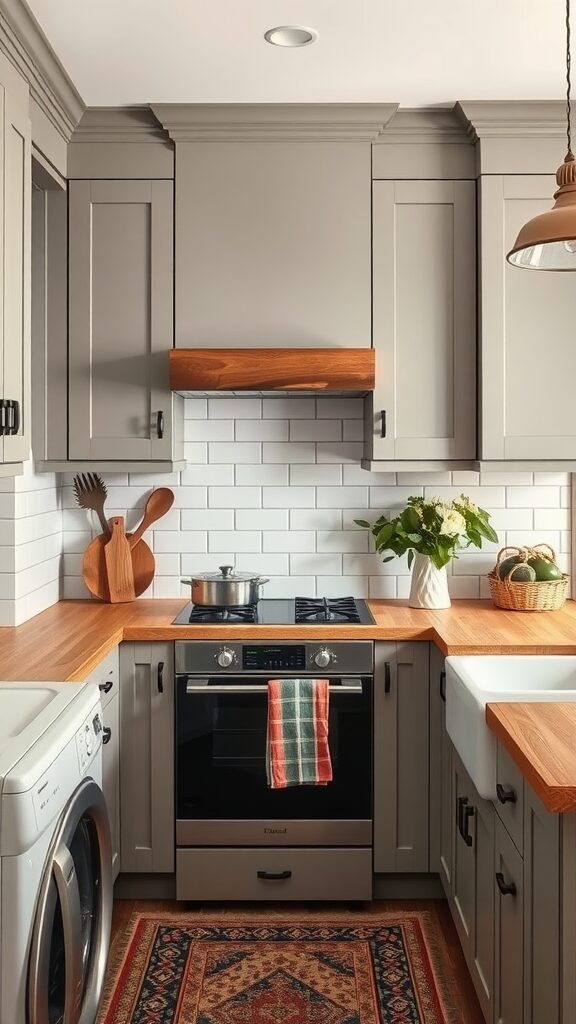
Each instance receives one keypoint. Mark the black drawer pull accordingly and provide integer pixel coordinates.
(274, 876)
(506, 794)
(462, 801)
(106, 734)
(160, 425)
(160, 678)
(506, 888)
(106, 687)
(443, 685)
(383, 423)
(467, 813)
(387, 677)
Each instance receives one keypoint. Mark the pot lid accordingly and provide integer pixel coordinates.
(227, 575)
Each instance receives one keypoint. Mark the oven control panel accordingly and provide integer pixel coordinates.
(273, 657)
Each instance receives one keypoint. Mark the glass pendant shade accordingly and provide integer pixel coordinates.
(548, 241)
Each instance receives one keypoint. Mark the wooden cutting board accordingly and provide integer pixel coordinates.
(94, 567)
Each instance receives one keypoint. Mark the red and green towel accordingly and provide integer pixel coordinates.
(297, 751)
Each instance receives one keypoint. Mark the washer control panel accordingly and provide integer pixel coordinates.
(89, 739)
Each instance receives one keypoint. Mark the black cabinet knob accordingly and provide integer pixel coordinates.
(106, 687)
(506, 794)
(506, 888)
(106, 735)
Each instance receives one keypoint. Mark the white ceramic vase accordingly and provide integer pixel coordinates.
(429, 587)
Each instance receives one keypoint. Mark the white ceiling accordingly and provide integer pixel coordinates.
(416, 52)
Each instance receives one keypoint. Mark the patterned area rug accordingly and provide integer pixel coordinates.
(187, 968)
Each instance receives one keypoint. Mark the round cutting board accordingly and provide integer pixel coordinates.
(94, 567)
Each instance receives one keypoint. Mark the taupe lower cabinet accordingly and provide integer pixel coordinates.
(111, 774)
(424, 332)
(120, 320)
(147, 763)
(441, 813)
(526, 319)
(401, 757)
(15, 226)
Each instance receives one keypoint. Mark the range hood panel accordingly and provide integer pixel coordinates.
(272, 371)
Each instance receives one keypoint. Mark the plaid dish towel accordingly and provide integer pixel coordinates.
(297, 751)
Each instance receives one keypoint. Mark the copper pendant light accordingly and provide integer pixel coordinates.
(548, 242)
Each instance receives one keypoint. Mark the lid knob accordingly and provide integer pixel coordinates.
(226, 570)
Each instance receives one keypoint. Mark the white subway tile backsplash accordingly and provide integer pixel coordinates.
(353, 430)
(551, 519)
(183, 540)
(382, 587)
(315, 519)
(316, 430)
(203, 519)
(340, 408)
(234, 497)
(235, 408)
(291, 586)
(342, 540)
(289, 540)
(237, 540)
(167, 564)
(269, 475)
(262, 430)
(521, 478)
(208, 475)
(191, 497)
(288, 497)
(552, 479)
(483, 496)
(237, 452)
(262, 519)
(532, 497)
(195, 451)
(193, 562)
(289, 408)
(208, 430)
(288, 452)
(393, 498)
(321, 564)
(341, 497)
(315, 474)
(195, 409)
(331, 451)
(354, 474)
(343, 586)
(267, 565)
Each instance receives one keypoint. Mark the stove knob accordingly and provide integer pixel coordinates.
(225, 657)
(323, 657)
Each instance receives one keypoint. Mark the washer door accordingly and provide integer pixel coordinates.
(71, 933)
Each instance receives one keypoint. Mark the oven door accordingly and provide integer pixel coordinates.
(222, 796)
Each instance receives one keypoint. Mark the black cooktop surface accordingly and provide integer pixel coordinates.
(282, 611)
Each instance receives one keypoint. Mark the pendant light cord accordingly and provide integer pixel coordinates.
(569, 154)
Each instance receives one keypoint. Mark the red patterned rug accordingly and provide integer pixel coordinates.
(186, 968)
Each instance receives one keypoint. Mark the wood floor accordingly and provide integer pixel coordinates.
(468, 1004)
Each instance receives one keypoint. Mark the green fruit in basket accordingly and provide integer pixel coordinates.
(545, 569)
(522, 573)
(507, 564)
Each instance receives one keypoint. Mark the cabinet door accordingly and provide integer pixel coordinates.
(401, 762)
(473, 882)
(509, 930)
(542, 913)
(120, 319)
(441, 816)
(17, 203)
(424, 295)
(147, 775)
(527, 320)
(111, 775)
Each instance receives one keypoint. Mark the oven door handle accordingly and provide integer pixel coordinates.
(351, 686)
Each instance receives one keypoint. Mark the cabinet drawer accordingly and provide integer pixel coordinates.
(510, 801)
(208, 874)
(106, 676)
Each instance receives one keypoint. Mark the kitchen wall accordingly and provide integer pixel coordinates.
(273, 485)
(30, 545)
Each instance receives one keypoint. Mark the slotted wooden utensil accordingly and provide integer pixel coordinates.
(90, 493)
(94, 567)
(158, 504)
(119, 564)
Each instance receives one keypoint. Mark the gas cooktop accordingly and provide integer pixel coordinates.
(313, 611)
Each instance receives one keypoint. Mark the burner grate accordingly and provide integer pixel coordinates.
(325, 609)
(210, 613)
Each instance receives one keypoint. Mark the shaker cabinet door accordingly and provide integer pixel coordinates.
(424, 333)
(120, 319)
(111, 775)
(441, 816)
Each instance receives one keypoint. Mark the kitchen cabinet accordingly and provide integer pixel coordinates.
(526, 322)
(111, 775)
(147, 767)
(401, 757)
(542, 914)
(120, 311)
(424, 315)
(15, 290)
(472, 895)
(441, 803)
(508, 930)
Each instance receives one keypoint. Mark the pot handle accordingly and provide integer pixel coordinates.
(261, 580)
(187, 582)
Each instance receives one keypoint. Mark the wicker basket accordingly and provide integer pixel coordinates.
(539, 596)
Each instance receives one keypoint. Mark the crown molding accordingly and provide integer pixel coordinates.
(119, 124)
(512, 118)
(271, 122)
(426, 124)
(26, 47)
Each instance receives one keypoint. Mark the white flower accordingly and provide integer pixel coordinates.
(468, 504)
(453, 524)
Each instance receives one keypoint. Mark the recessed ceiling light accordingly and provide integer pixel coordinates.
(290, 35)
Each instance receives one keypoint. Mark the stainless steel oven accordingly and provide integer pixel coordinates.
(222, 797)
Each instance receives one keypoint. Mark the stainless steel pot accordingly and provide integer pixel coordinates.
(225, 589)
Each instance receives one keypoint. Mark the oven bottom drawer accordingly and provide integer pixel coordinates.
(282, 874)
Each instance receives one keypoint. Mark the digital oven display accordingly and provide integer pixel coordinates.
(270, 657)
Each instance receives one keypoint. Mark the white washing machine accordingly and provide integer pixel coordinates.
(55, 854)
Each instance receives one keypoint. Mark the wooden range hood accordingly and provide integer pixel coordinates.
(322, 370)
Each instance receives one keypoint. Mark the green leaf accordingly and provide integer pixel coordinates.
(389, 558)
(410, 520)
(384, 536)
(362, 522)
(410, 557)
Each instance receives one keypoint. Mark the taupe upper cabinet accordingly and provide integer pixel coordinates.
(15, 209)
(273, 244)
(424, 295)
(120, 320)
(527, 329)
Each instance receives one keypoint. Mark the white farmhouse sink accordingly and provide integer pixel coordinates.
(474, 682)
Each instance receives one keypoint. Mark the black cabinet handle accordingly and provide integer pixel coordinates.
(106, 687)
(14, 417)
(106, 734)
(3, 420)
(160, 424)
(506, 888)
(274, 876)
(160, 677)
(462, 801)
(467, 813)
(387, 677)
(443, 685)
(383, 423)
(506, 794)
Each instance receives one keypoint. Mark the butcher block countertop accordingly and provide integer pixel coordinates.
(66, 642)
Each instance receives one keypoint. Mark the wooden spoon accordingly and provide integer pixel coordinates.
(158, 504)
